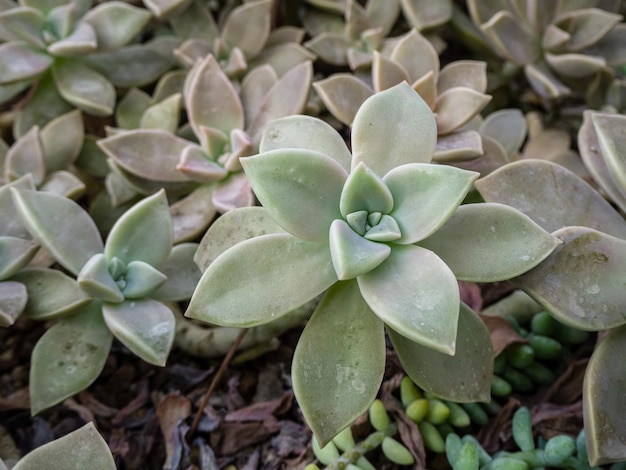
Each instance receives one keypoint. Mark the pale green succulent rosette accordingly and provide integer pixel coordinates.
(364, 228)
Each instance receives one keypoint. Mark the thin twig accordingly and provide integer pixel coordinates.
(214, 383)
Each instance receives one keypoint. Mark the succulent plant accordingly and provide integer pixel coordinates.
(228, 125)
(69, 52)
(386, 250)
(456, 94)
(119, 289)
(556, 43)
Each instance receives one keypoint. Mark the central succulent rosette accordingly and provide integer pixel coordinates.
(380, 231)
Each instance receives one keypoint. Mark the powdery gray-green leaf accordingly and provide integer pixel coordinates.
(96, 280)
(424, 307)
(116, 23)
(260, 279)
(84, 88)
(248, 27)
(181, 272)
(392, 128)
(61, 140)
(68, 358)
(193, 213)
(20, 62)
(26, 156)
(339, 361)
(13, 299)
(508, 127)
(464, 377)
(343, 94)
(300, 188)
(490, 242)
(15, 253)
(146, 327)
(70, 235)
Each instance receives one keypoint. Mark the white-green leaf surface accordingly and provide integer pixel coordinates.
(141, 280)
(343, 94)
(464, 377)
(490, 242)
(425, 196)
(392, 128)
(15, 253)
(146, 327)
(610, 131)
(603, 400)
(306, 132)
(416, 294)
(68, 358)
(339, 361)
(60, 225)
(581, 282)
(248, 27)
(26, 156)
(116, 23)
(261, 279)
(84, 88)
(300, 188)
(13, 298)
(61, 140)
(21, 62)
(96, 280)
(182, 274)
(143, 233)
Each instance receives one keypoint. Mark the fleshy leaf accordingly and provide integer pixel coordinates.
(116, 23)
(21, 24)
(209, 84)
(163, 115)
(96, 280)
(84, 88)
(511, 39)
(605, 429)
(13, 299)
(457, 106)
(424, 306)
(490, 242)
(83, 448)
(386, 72)
(260, 279)
(392, 128)
(508, 127)
(21, 62)
(464, 377)
(339, 361)
(10, 222)
(182, 274)
(231, 228)
(425, 196)
(343, 94)
(61, 140)
(232, 192)
(26, 156)
(300, 188)
(70, 234)
(365, 190)
(141, 280)
(417, 55)
(80, 42)
(192, 214)
(579, 283)
(463, 73)
(610, 132)
(248, 27)
(146, 327)
(306, 132)
(150, 220)
(458, 147)
(353, 255)
(527, 184)
(68, 358)
(15, 253)
(51, 294)
(149, 153)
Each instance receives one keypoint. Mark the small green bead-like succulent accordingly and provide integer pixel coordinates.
(119, 290)
(380, 231)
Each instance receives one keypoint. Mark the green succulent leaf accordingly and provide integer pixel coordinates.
(69, 235)
(150, 220)
(182, 274)
(365, 190)
(22, 24)
(13, 299)
(83, 448)
(64, 184)
(146, 327)
(149, 153)
(490, 242)
(51, 294)
(386, 72)
(248, 27)
(339, 361)
(511, 39)
(254, 86)
(96, 280)
(15, 253)
(231, 228)
(26, 156)
(306, 132)
(457, 106)
(259, 280)
(130, 109)
(463, 73)
(331, 47)
(464, 377)
(526, 185)
(508, 127)
(21, 62)
(579, 283)
(61, 141)
(68, 358)
(300, 188)
(163, 115)
(392, 128)
(10, 222)
(425, 196)
(141, 280)
(81, 41)
(193, 213)
(343, 94)
(424, 306)
(61, 19)
(605, 429)
(85, 88)
(586, 26)
(460, 146)
(207, 83)
(116, 23)
(609, 130)
(416, 55)
(353, 255)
